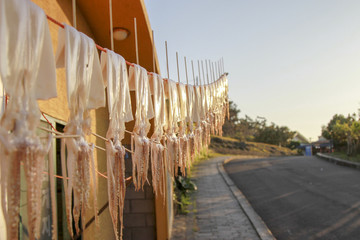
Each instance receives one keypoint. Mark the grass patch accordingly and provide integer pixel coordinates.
(183, 187)
(184, 203)
(230, 146)
(344, 156)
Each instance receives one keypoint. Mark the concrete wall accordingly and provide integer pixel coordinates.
(139, 210)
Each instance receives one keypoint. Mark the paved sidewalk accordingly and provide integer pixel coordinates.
(217, 214)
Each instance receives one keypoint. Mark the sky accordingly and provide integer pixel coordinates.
(296, 63)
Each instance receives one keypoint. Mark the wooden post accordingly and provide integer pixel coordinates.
(167, 61)
(153, 51)
(199, 71)
(213, 72)
(136, 43)
(207, 71)
(74, 13)
(192, 64)
(111, 26)
(187, 79)
(177, 64)
(202, 67)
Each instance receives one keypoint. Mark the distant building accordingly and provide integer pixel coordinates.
(301, 140)
(322, 145)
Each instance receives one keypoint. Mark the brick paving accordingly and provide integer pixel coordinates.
(217, 214)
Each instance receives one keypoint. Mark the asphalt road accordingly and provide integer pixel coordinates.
(301, 197)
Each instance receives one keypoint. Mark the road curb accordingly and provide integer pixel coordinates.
(260, 227)
(339, 161)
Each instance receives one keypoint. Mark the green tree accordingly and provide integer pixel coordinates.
(344, 131)
(230, 127)
(336, 136)
(274, 134)
(247, 129)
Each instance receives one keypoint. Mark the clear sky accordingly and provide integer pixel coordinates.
(294, 62)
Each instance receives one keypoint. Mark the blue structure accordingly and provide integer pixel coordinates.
(308, 150)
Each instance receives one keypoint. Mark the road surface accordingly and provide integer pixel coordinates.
(301, 197)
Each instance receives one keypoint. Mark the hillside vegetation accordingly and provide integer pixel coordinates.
(257, 130)
(231, 146)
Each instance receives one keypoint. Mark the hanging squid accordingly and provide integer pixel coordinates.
(198, 116)
(173, 142)
(81, 173)
(223, 102)
(183, 151)
(144, 111)
(119, 106)
(211, 112)
(85, 91)
(205, 126)
(191, 112)
(157, 149)
(27, 74)
(183, 137)
(21, 146)
(116, 183)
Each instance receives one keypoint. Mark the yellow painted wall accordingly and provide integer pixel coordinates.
(57, 108)
(95, 12)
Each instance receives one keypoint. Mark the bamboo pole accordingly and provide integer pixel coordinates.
(187, 79)
(111, 26)
(136, 42)
(167, 61)
(74, 13)
(153, 50)
(177, 64)
(193, 72)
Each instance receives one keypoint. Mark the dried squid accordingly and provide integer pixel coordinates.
(198, 138)
(211, 108)
(204, 116)
(21, 146)
(81, 174)
(119, 106)
(27, 72)
(157, 149)
(85, 91)
(144, 111)
(198, 117)
(173, 142)
(116, 183)
(140, 160)
(191, 112)
(183, 151)
(183, 138)
(192, 148)
(157, 169)
(172, 156)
